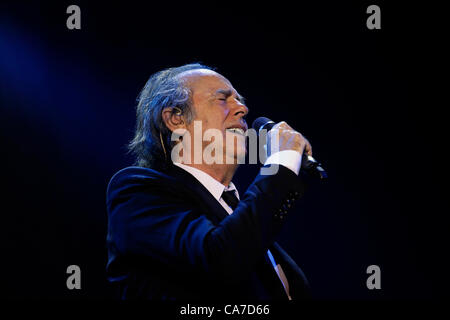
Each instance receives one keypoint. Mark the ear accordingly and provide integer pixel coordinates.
(173, 118)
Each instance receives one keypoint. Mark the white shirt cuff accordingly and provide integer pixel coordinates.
(289, 158)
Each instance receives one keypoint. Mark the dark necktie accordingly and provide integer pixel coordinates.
(230, 199)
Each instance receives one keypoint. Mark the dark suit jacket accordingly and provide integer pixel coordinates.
(170, 239)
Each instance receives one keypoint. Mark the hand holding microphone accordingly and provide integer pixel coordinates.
(289, 139)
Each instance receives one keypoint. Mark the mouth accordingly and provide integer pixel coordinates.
(237, 130)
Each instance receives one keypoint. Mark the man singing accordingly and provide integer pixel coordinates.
(178, 229)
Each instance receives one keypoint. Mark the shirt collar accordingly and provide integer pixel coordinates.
(211, 184)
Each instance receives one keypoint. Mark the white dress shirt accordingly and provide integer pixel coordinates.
(288, 158)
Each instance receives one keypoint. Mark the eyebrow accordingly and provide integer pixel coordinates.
(229, 92)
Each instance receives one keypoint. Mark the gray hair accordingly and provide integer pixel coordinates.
(152, 143)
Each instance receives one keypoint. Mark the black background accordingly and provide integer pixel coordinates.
(366, 100)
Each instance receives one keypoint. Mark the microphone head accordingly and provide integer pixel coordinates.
(262, 122)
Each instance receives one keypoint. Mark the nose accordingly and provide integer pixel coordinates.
(241, 109)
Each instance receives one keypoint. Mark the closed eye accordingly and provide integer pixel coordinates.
(225, 94)
(223, 97)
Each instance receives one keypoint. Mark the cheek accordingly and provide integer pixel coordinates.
(221, 112)
(215, 118)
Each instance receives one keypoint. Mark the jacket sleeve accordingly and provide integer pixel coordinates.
(148, 217)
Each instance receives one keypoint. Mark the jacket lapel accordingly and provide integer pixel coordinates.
(200, 194)
(270, 279)
(298, 284)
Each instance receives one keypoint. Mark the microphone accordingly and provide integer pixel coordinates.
(309, 164)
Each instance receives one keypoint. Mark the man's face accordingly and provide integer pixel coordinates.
(218, 106)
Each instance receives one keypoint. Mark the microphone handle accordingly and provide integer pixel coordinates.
(314, 168)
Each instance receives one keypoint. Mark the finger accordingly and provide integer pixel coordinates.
(282, 125)
(308, 148)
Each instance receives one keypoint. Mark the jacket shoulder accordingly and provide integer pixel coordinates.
(135, 177)
(130, 174)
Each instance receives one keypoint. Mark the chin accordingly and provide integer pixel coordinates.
(238, 151)
(238, 156)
